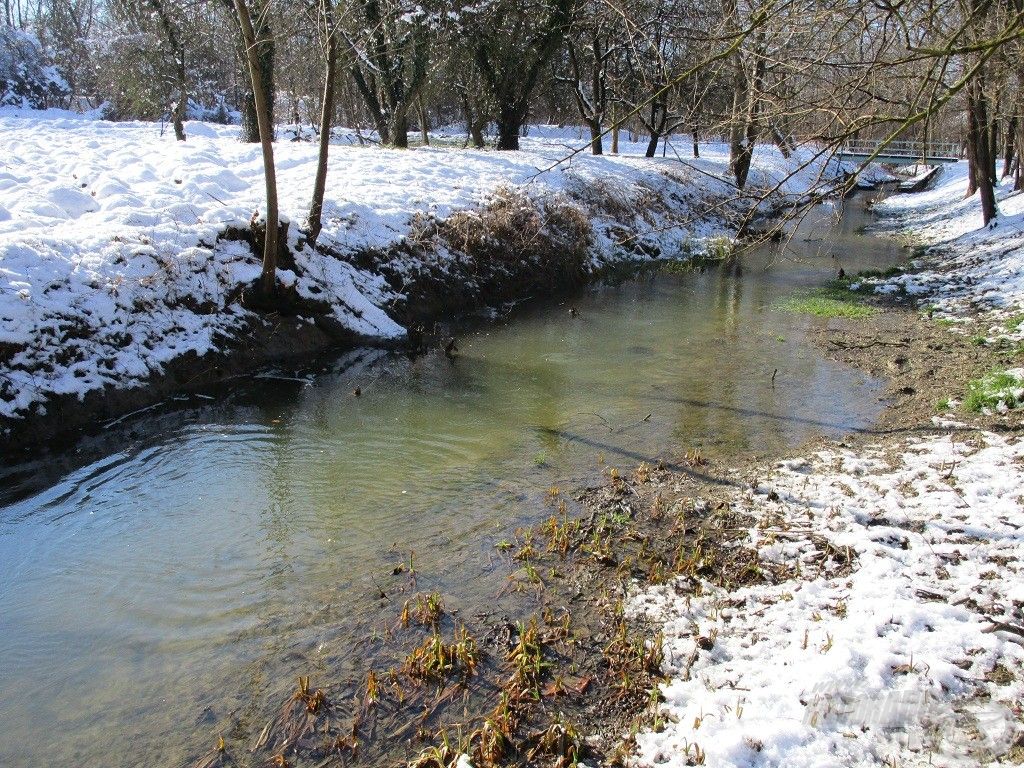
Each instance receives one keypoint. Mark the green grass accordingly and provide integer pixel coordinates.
(992, 389)
(1014, 322)
(831, 301)
(943, 405)
(911, 240)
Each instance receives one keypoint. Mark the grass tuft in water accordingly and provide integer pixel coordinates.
(996, 390)
(831, 301)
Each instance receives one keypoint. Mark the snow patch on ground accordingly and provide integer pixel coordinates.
(900, 659)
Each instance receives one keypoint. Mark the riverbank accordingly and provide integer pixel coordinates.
(126, 255)
(893, 632)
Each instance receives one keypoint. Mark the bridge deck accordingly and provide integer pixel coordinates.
(893, 159)
(902, 152)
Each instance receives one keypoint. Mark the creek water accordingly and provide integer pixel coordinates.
(174, 574)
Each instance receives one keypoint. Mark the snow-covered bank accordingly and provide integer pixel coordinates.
(967, 266)
(896, 639)
(120, 249)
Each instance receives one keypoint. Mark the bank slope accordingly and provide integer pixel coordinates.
(965, 266)
(124, 254)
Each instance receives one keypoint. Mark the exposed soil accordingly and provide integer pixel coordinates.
(924, 363)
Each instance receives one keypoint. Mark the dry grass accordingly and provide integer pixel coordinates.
(552, 235)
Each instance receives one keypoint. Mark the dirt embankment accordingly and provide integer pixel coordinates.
(925, 363)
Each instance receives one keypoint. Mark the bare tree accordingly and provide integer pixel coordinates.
(512, 44)
(390, 52)
(268, 278)
(314, 222)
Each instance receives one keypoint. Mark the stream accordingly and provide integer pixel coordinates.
(177, 571)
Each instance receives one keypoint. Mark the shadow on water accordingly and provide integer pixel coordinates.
(196, 554)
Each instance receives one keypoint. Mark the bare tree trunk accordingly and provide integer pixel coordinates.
(656, 127)
(696, 143)
(399, 129)
(180, 105)
(972, 163)
(268, 278)
(178, 112)
(263, 53)
(615, 133)
(1018, 173)
(596, 142)
(509, 122)
(421, 110)
(780, 141)
(476, 130)
(1011, 138)
(315, 221)
(979, 138)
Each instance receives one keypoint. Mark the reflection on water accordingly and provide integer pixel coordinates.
(158, 590)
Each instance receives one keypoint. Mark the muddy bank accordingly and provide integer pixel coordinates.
(925, 365)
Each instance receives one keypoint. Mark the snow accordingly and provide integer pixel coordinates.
(113, 259)
(968, 267)
(890, 661)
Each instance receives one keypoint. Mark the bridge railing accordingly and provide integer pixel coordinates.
(909, 149)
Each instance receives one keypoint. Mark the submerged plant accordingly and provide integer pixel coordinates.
(490, 744)
(436, 659)
(313, 701)
(561, 741)
(527, 658)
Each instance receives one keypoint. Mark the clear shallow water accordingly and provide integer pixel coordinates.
(174, 575)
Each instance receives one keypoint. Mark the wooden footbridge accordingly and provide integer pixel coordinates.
(901, 152)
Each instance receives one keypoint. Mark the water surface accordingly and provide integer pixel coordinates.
(167, 577)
